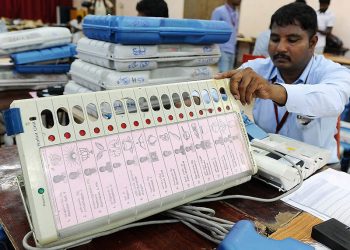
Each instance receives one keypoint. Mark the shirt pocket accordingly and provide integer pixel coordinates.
(310, 132)
(305, 125)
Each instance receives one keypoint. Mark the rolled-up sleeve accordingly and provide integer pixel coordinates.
(216, 15)
(326, 98)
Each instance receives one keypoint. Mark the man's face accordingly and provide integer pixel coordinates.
(234, 2)
(324, 7)
(290, 47)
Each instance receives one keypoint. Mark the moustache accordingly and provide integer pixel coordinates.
(282, 56)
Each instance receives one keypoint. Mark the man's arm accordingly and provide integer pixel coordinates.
(327, 98)
(216, 15)
(246, 84)
(326, 32)
(329, 25)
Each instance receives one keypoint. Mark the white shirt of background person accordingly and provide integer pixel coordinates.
(100, 8)
(324, 20)
(262, 44)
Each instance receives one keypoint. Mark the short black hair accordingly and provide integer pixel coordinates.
(325, 1)
(296, 14)
(300, 1)
(155, 8)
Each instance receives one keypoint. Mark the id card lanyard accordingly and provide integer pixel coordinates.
(279, 124)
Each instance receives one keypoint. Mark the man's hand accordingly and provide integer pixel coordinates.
(245, 85)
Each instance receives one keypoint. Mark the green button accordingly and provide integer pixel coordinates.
(41, 190)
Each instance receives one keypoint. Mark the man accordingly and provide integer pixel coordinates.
(76, 27)
(228, 13)
(299, 94)
(325, 20)
(262, 44)
(101, 7)
(76, 24)
(155, 8)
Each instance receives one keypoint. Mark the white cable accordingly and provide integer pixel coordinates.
(89, 238)
(191, 222)
(199, 218)
(216, 194)
(193, 209)
(206, 210)
(196, 218)
(201, 232)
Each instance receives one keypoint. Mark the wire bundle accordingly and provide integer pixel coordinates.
(202, 220)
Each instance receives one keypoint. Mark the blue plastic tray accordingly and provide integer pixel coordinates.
(155, 30)
(244, 237)
(44, 54)
(42, 69)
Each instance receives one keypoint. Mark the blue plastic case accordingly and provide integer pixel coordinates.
(244, 237)
(24, 60)
(155, 30)
(41, 55)
(43, 69)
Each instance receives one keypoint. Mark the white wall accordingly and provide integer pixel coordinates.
(126, 8)
(256, 14)
(176, 8)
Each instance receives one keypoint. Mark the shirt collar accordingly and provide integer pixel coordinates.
(276, 76)
(229, 7)
(323, 13)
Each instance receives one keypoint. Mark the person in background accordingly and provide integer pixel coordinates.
(76, 24)
(228, 13)
(298, 94)
(3, 27)
(76, 27)
(101, 7)
(325, 20)
(152, 8)
(262, 44)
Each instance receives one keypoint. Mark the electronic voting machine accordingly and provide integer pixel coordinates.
(96, 161)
